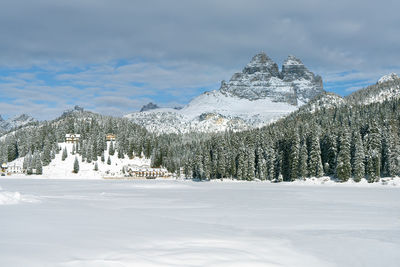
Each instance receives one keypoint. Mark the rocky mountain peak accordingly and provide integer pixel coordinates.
(261, 79)
(292, 60)
(389, 77)
(149, 106)
(261, 63)
(14, 122)
(23, 117)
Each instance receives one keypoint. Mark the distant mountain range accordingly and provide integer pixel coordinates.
(15, 122)
(254, 97)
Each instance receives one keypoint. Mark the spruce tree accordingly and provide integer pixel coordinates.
(315, 168)
(294, 156)
(343, 165)
(250, 164)
(374, 153)
(359, 158)
(76, 165)
(64, 154)
(38, 165)
(96, 167)
(302, 166)
(394, 153)
(111, 150)
(109, 160)
(261, 164)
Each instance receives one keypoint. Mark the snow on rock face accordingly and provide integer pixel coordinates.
(149, 106)
(389, 77)
(261, 78)
(15, 122)
(257, 96)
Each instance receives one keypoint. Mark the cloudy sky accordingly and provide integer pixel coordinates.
(114, 56)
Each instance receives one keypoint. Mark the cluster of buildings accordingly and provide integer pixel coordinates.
(74, 138)
(145, 171)
(8, 170)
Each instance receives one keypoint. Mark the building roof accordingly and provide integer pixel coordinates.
(73, 135)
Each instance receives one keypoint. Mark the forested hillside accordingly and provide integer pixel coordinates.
(39, 143)
(342, 139)
(353, 137)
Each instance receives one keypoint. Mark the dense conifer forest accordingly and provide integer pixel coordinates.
(344, 139)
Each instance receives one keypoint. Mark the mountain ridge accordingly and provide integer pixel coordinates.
(254, 97)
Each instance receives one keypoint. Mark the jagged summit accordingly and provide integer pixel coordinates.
(15, 122)
(389, 77)
(261, 78)
(292, 60)
(261, 63)
(149, 106)
(253, 97)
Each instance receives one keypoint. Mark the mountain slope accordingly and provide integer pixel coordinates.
(15, 122)
(387, 87)
(252, 98)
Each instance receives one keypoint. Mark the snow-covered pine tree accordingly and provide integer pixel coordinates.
(206, 163)
(294, 155)
(38, 165)
(96, 166)
(343, 165)
(46, 155)
(27, 161)
(303, 157)
(271, 163)
(242, 166)
(329, 152)
(111, 150)
(109, 160)
(374, 153)
(315, 168)
(120, 152)
(76, 165)
(89, 153)
(261, 164)
(64, 154)
(359, 158)
(250, 164)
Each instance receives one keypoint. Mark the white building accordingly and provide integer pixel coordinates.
(15, 169)
(145, 171)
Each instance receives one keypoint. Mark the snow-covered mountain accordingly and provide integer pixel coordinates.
(389, 77)
(326, 100)
(387, 87)
(149, 106)
(14, 122)
(254, 97)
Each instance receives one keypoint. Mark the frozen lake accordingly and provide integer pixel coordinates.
(169, 223)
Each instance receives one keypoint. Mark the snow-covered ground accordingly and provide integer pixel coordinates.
(59, 169)
(182, 223)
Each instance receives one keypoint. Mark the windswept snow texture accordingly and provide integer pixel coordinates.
(10, 198)
(171, 223)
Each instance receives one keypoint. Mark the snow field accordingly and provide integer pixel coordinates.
(183, 223)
